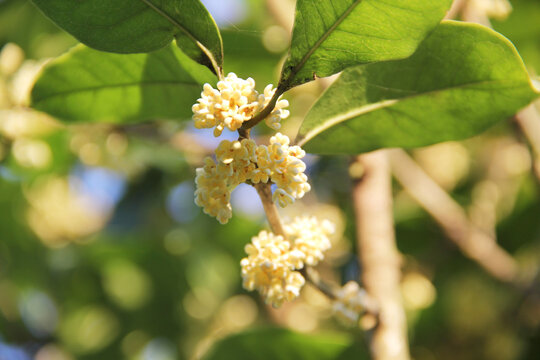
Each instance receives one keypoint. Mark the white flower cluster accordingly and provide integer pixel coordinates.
(281, 163)
(240, 161)
(269, 268)
(272, 261)
(216, 181)
(233, 102)
(310, 237)
(349, 303)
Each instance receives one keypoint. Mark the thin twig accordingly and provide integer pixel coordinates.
(313, 278)
(263, 114)
(243, 133)
(265, 193)
(379, 257)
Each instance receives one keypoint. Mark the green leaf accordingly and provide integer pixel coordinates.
(463, 79)
(135, 26)
(331, 35)
(277, 344)
(89, 85)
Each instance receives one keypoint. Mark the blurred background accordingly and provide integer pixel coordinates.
(104, 255)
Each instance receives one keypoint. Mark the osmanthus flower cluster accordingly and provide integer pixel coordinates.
(272, 264)
(240, 161)
(233, 102)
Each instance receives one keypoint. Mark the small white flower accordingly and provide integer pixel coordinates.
(233, 102)
(310, 237)
(272, 260)
(240, 161)
(269, 268)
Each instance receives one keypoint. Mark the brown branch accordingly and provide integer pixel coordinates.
(470, 239)
(379, 257)
(243, 134)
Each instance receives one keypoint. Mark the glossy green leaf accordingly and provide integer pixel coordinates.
(331, 35)
(90, 85)
(463, 79)
(134, 26)
(277, 344)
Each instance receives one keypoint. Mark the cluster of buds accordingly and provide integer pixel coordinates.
(272, 262)
(350, 302)
(233, 102)
(241, 161)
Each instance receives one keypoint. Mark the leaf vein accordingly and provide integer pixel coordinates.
(315, 46)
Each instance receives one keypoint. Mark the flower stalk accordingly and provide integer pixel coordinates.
(265, 193)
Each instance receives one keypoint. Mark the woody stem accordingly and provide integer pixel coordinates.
(265, 193)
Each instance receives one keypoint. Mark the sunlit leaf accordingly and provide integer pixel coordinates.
(463, 79)
(331, 35)
(89, 85)
(133, 26)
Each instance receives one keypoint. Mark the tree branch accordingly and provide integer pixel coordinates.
(379, 258)
(470, 239)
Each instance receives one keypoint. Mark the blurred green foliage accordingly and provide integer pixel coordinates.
(134, 270)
